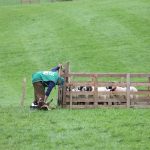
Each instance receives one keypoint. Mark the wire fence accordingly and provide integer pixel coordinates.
(16, 2)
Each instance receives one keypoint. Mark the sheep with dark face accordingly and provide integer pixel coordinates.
(73, 89)
(80, 88)
(88, 88)
(91, 88)
(124, 89)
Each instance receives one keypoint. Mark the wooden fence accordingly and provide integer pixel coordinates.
(93, 99)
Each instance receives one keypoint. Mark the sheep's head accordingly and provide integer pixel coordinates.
(111, 88)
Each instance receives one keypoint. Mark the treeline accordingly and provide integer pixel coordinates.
(14, 2)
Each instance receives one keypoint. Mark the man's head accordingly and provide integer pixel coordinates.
(62, 72)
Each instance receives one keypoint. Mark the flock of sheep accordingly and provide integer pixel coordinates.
(106, 92)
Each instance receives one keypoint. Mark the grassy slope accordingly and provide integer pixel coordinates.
(100, 36)
(121, 129)
(95, 36)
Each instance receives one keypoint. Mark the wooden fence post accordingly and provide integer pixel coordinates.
(95, 91)
(71, 97)
(66, 67)
(23, 92)
(128, 90)
(60, 96)
(67, 70)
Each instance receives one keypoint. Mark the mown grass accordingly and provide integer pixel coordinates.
(75, 129)
(95, 36)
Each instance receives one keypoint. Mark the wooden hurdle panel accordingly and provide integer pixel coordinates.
(91, 99)
(112, 79)
(143, 94)
(79, 99)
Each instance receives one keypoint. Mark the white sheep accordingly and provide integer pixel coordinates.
(103, 89)
(124, 89)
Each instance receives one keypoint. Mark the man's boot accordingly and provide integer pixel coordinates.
(42, 105)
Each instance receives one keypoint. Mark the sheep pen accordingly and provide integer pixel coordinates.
(93, 90)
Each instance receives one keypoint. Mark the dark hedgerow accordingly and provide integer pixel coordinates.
(15, 2)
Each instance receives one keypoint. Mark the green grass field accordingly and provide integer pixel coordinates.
(94, 36)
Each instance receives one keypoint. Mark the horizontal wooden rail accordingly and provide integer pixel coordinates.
(146, 75)
(106, 92)
(107, 84)
(139, 84)
(96, 75)
(74, 83)
(92, 100)
(79, 93)
(93, 106)
(140, 106)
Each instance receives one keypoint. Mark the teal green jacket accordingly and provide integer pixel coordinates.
(45, 76)
(48, 78)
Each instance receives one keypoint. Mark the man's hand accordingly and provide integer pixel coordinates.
(45, 98)
(60, 66)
